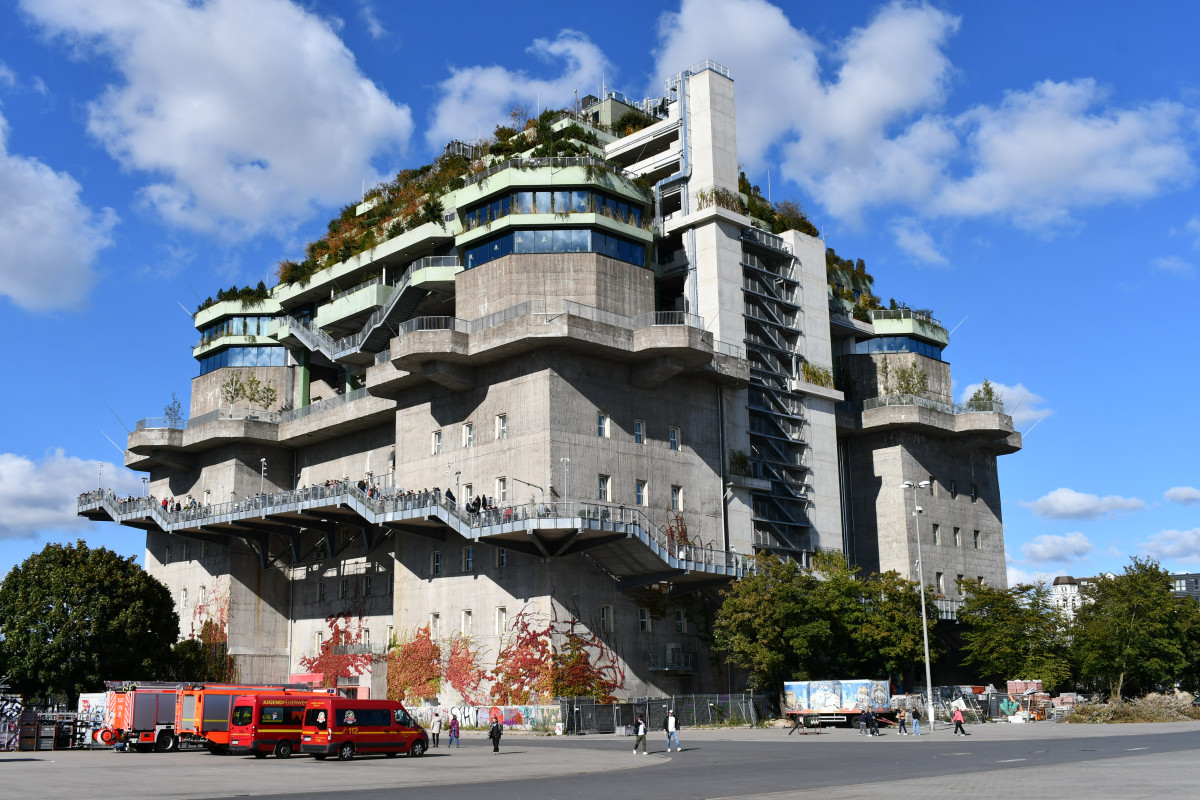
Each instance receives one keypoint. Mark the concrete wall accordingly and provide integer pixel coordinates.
(864, 372)
(206, 389)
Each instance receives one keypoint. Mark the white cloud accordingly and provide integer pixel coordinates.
(1065, 503)
(1185, 495)
(917, 243)
(475, 99)
(1192, 228)
(1063, 549)
(7, 76)
(1174, 265)
(247, 113)
(863, 123)
(51, 237)
(40, 496)
(1022, 405)
(1175, 545)
(371, 20)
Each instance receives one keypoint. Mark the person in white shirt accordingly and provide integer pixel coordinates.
(669, 725)
(640, 730)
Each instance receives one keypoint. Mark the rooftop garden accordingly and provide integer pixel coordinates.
(249, 296)
(851, 285)
(786, 215)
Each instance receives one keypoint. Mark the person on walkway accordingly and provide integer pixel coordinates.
(862, 723)
(640, 730)
(958, 721)
(902, 721)
(916, 718)
(672, 728)
(872, 723)
(453, 732)
(494, 733)
(435, 728)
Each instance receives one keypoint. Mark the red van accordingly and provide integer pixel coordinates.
(346, 727)
(264, 723)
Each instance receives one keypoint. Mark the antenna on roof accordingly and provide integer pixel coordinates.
(122, 452)
(190, 314)
(114, 413)
(959, 325)
(194, 292)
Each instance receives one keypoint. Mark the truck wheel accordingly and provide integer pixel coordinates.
(166, 742)
(417, 750)
(283, 749)
(345, 752)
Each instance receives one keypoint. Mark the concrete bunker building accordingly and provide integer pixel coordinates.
(607, 345)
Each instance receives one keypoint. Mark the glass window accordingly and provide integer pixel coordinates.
(435, 443)
(525, 202)
(635, 216)
(562, 202)
(579, 201)
(501, 426)
(975, 539)
(506, 245)
(680, 621)
(644, 620)
(673, 438)
(624, 250)
(468, 435)
(937, 533)
(501, 620)
(581, 241)
(562, 241)
(610, 207)
(523, 241)
(505, 205)
(435, 562)
(541, 202)
(612, 247)
(543, 241)
(639, 493)
(606, 618)
(472, 219)
(602, 425)
(468, 559)
(639, 432)
(603, 485)
(677, 498)
(623, 211)
(502, 490)
(637, 255)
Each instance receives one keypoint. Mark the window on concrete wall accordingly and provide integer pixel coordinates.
(673, 438)
(606, 618)
(202, 595)
(187, 551)
(957, 581)
(680, 621)
(318, 641)
(644, 620)
(501, 490)
(940, 581)
(932, 486)
(502, 426)
(501, 620)
(435, 562)
(602, 425)
(957, 538)
(343, 588)
(390, 634)
(435, 626)
(183, 599)
(366, 639)
(435, 443)
(639, 493)
(953, 489)
(501, 556)
(603, 488)
(937, 533)
(639, 432)
(677, 498)
(468, 434)
(468, 559)
(368, 586)
(204, 547)
(465, 627)
(466, 492)
(167, 555)
(976, 539)
(974, 493)
(320, 591)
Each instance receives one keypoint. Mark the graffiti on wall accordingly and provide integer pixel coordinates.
(10, 721)
(520, 717)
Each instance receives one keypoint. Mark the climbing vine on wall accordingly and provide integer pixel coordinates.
(560, 658)
(336, 657)
(463, 671)
(210, 627)
(414, 667)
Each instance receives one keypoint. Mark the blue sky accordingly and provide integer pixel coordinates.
(1027, 170)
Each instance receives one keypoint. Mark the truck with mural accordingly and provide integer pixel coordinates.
(836, 700)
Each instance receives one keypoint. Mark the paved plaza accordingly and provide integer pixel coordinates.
(1031, 761)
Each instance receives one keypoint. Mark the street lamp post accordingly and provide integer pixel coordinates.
(145, 486)
(921, 583)
(262, 479)
(100, 474)
(566, 462)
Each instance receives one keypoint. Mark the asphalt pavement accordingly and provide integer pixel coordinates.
(1032, 761)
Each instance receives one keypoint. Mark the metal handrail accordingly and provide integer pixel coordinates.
(904, 313)
(557, 162)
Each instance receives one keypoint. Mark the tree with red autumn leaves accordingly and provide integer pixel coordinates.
(463, 672)
(333, 660)
(531, 668)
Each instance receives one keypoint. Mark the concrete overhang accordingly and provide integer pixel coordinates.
(988, 430)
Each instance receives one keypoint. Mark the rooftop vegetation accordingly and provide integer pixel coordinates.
(786, 215)
(249, 296)
(851, 284)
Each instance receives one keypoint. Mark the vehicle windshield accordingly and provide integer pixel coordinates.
(242, 715)
(317, 718)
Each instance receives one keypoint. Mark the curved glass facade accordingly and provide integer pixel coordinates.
(244, 357)
(898, 344)
(560, 201)
(556, 240)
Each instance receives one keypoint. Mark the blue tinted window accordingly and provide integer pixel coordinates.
(562, 241)
(581, 241)
(543, 241)
(525, 202)
(522, 241)
(623, 250)
(542, 202)
(635, 215)
(505, 205)
(472, 219)
(579, 200)
(612, 247)
(638, 253)
(506, 244)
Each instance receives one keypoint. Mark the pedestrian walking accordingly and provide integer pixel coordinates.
(435, 728)
(453, 732)
(916, 718)
(958, 721)
(494, 733)
(902, 721)
(640, 730)
(672, 728)
(872, 722)
(862, 723)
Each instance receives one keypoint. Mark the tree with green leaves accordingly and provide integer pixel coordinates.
(986, 398)
(72, 617)
(1131, 632)
(1014, 633)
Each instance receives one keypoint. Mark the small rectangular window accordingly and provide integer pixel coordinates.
(602, 425)
(320, 591)
(940, 580)
(501, 490)
(390, 633)
(468, 435)
(603, 488)
(957, 538)
(501, 556)
(974, 493)
(187, 551)
(680, 621)
(958, 581)
(202, 595)
(366, 638)
(367, 586)
(673, 438)
(343, 588)
(501, 620)
(606, 618)
(932, 486)
(435, 562)
(639, 432)
(677, 498)
(318, 641)
(975, 538)
(435, 443)
(639, 493)
(183, 599)
(644, 620)
(167, 555)
(465, 627)
(937, 533)
(435, 626)
(502, 426)
(953, 489)
(468, 559)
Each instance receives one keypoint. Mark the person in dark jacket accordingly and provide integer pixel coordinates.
(494, 733)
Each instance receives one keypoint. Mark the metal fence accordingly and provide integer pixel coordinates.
(584, 715)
